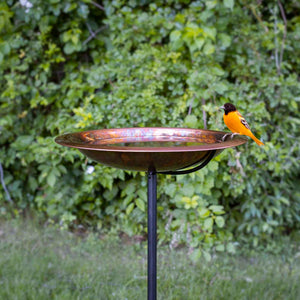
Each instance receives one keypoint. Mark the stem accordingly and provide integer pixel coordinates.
(204, 114)
(3, 184)
(284, 31)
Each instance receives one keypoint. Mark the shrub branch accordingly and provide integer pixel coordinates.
(3, 184)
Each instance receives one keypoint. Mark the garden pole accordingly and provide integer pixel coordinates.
(152, 239)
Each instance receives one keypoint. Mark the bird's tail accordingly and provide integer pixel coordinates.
(257, 141)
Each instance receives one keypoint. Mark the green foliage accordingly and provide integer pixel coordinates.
(74, 65)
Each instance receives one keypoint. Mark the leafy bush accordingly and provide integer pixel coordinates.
(73, 65)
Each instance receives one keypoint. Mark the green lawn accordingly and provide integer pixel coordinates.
(43, 263)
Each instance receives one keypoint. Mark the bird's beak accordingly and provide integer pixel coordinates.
(221, 107)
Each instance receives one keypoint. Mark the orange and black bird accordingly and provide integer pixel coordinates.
(237, 123)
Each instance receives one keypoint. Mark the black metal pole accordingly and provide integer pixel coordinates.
(152, 216)
(152, 239)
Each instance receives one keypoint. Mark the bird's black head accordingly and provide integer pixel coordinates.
(228, 107)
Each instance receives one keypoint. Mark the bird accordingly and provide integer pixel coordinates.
(237, 123)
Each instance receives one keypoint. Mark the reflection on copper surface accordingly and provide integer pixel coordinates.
(166, 149)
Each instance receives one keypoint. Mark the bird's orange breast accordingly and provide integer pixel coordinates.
(233, 122)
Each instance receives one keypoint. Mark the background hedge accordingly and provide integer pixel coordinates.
(69, 65)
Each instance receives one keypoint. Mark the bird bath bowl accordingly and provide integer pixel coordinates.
(138, 149)
(172, 151)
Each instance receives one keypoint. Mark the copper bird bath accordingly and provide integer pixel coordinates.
(172, 151)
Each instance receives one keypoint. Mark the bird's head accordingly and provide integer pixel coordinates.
(228, 107)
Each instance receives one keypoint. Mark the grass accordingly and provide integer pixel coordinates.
(44, 263)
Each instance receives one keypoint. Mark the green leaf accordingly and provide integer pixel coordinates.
(69, 48)
(191, 121)
(213, 166)
(207, 256)
(129, 208)
(127, 200)
(195, 255)
(4, 48)
(209, 49)
(225, 40)
(230, 248)
(284, 200)
(217, 70)
(23, 142)
(220, 248)
(229, 4)
(204, 212)
(69, 7)
(51, 178)
(110, 210)
(75, 39)
(140, 204)
(220, 88)
(199, 42)
(175, 35)
(210, 32)
(88, 206)
(170, 189)
(142, 193)
(220, 212)
(33, 184)
(83, 10)
(216, 208)
(208, 224)
(220, 221)
(110, 194)
(211, 4)
(188, 190)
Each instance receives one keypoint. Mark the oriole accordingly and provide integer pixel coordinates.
(237, 123)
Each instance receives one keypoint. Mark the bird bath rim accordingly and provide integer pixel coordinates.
(93, 140)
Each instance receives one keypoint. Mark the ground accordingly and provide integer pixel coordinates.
(42, 262)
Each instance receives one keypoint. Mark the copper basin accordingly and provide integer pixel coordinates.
(138, 149)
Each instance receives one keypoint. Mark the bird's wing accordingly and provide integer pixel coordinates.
(243, 121)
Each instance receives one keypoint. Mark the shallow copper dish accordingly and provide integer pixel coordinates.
(141, 148)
